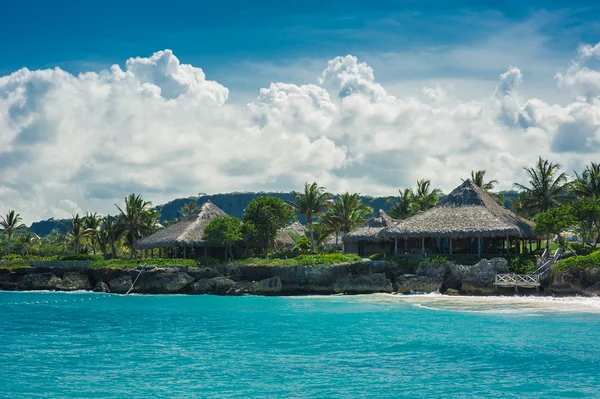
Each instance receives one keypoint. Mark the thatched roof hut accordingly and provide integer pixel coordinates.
(467, 212)
(296, 227)
(186, 233)
(283, 240)
(371, 230)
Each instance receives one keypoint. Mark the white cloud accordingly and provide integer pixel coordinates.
(70, 144)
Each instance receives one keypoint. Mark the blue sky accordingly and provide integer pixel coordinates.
(222, 36)
(221, 96)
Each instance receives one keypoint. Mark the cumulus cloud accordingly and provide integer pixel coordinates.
(76, 143)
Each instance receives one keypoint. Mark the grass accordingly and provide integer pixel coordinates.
(130, 264)
(304, 260)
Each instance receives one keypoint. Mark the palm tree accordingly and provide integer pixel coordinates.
(312, 202)
(137, 220)
(91, 222)
(109, 235)
(546, 186)
(477, 177)
(78, 232)
(404, 206)
(587, 185)
(29, 242)
(425, 196)
(346, 214)
(11, 223)
(321, 232)
(520, 205)
(188, 208)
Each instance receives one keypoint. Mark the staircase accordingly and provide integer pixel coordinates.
(546, 262)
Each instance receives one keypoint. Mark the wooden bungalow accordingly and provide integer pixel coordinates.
(367, 240)
(468, 220)
(185, 238)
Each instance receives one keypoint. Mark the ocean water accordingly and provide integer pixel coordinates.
(85, 345)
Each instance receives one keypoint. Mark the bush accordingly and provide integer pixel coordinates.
(82, 257)
(305, 260)
(582, 249)
(158, 262)
(578, 263)
(522, 264)
(407, 263)
(377, 256)
(14, 262)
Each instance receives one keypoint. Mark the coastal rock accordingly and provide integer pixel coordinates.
(264, 287)
(167, 282)
(432, 269)
(593, 290)
(410, 283)
(39, 281)
(452, 292)
(72, 281)
(215, 285)
(120, 285)
(474, 280)
(377, 282)
(101, 287)
(564, 283)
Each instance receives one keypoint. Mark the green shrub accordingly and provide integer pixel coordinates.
(578, 263)
(522, 264)
(408, 263)
(379, 256)
(14, 262)
(582, 249)
(158, 262)
(82, 257)
(305, 260)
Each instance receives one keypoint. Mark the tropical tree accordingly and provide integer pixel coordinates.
(91, 222)
(587, 185)
(425, 196)
(521, 205)
(478, 178)
(312, 202)
(136, 220)
(546, 185)
(29, 243)
(321, 233)
(224, 231)
(345, 214)
(404, 206)
(188, 208)
(9, 224)
(78, 233)
(264, 217)
(109, 235)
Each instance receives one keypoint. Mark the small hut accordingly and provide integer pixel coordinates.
(468, 220)
(185, 238)
(283, 240)
(367, 240)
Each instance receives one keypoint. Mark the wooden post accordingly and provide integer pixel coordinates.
(450, 245)
(423, 246)
(395, 245)
(530, 247)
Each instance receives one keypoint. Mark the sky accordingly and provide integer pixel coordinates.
(169, 99)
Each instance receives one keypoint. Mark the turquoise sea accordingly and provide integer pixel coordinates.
(86, 345)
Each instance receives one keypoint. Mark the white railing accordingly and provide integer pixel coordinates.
(517, 280)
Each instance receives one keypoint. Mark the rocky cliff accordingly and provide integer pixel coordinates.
(354, 278)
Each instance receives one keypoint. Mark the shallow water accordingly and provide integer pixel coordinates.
(83, 345)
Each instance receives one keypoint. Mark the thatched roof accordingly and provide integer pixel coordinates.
(187, 232)
(283, 240)
(296, 227)
(371, 229)
(468, 211)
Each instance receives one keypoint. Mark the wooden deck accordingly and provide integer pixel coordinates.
(518, 281)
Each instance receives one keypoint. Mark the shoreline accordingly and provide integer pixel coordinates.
(348, 278)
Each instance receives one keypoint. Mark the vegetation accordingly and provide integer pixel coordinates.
(312, 202)
(578, 263)
(138, 219)
(9, 224)
(546, 186)
(304, 260)
(132, 263)
(404, 206)
(224, 231)
(265, 216)
(347, 213)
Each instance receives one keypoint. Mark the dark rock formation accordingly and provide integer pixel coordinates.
(215, 285)
(39, 281)
(72, 281)
(166, 283)
(268, 286)
(377, 282)
(101, 287)
(120, 285)
(412, 283)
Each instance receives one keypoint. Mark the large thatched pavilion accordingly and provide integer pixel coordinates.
(185, 238)
(367, 240)
(468, 220)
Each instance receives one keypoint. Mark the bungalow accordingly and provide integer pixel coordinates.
(367, 240)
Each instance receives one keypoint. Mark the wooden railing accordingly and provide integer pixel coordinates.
(517, 280)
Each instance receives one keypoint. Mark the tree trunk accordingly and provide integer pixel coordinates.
(312, 239)
(132, 253)
(9, 237)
